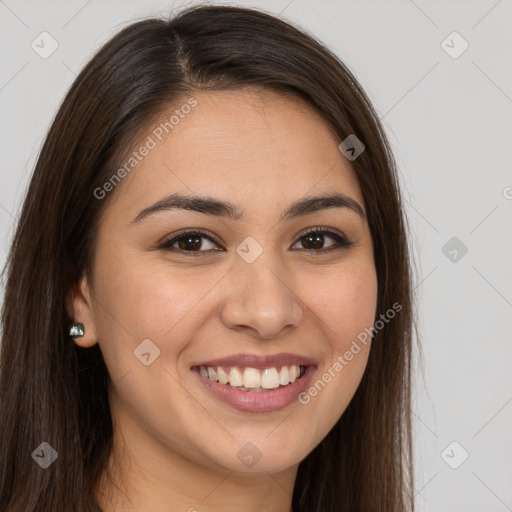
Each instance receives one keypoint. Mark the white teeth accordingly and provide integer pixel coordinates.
(284, 376)
(269, 378)
(253, 379)
(223, 376)
(235, 377)
(212, 374)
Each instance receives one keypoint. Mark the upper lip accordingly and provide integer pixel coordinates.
(260, 362)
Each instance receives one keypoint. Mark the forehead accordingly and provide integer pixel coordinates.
(256, 148)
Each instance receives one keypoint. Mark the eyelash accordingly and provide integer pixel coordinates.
(341, 241)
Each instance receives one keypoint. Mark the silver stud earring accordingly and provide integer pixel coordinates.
(77, 330)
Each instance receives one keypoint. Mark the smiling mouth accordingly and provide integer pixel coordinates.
(253, 380)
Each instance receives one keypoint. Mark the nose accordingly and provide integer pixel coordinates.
(261, 299)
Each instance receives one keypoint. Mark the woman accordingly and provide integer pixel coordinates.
(208, 299)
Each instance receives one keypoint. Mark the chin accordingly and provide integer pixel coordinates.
(266, 453)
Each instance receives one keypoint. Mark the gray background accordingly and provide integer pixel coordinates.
(449, 121)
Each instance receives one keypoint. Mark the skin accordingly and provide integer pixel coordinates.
(175, 444)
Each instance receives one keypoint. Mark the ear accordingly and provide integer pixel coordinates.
(80, 309)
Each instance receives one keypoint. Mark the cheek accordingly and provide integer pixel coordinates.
(142, 298)
(344, 309)
(344, 302)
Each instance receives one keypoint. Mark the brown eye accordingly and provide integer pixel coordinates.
(314, 240)
(189, 242)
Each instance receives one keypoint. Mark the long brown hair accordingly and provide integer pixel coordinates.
(53, 391)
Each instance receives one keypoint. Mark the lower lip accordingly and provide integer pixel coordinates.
(263, 401)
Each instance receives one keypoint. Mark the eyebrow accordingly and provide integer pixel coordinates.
(214, 207)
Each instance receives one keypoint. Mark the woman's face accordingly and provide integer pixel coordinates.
(255, 293)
